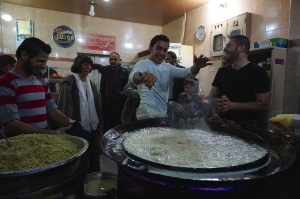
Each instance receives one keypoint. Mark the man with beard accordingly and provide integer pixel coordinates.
(241, 89)
(25, 100)
(114, 78)
(154, 72)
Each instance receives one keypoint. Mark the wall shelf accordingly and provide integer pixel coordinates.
(277, 77)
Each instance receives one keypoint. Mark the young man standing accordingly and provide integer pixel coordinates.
(242, 89)
(25, 100)
(154, 72)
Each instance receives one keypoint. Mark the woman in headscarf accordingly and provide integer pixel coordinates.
(79, 99)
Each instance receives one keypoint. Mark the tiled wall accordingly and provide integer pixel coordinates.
(45, 21)
(292, 78)
(269, 19)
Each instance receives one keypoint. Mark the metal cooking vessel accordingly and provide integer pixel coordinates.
(244, 135)
(281, 155)
(20, 182)
(100, 185)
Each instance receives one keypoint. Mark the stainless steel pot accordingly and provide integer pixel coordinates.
(20, 182)
(100, 185)
(281, 154)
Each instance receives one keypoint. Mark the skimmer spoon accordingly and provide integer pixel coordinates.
(4, 136)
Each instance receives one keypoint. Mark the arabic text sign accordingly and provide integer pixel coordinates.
(92, 41)
(63, 36)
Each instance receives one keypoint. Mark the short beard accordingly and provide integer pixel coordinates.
(28, 68)
(232, 57)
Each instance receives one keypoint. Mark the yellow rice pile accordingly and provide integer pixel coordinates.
(34, 150)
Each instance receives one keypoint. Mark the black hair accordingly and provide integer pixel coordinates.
(242, 40)
(78, 61)
(159, 38)
(33, 46)
(173, 55)
(115, 53)
(194, 82)
(6, 60)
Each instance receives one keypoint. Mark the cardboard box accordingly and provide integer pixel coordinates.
(279, 42)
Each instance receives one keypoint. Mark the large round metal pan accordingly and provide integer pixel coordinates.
(54, 189)
(31, 180)
(217, 129)
(281, 153)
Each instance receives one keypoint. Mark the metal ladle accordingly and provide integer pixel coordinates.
(4, 136)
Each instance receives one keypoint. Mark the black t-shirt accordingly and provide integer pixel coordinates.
(241, 86)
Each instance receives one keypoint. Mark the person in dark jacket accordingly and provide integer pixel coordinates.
(113, 80)
(79, 99)
(176, 85)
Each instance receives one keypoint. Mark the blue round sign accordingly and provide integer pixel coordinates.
(63, 36)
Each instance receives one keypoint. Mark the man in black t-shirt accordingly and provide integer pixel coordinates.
(240, 90)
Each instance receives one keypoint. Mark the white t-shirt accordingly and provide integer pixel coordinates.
(151, 104)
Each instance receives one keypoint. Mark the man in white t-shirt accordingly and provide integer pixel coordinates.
(154, 72)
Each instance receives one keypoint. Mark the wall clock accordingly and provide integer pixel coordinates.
(201, 32)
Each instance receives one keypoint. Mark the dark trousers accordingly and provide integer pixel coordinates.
(93, 150)
(93, 153)
(112, 115)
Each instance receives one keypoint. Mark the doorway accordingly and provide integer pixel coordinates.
(95, 76)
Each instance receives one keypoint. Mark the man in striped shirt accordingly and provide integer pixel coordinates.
(25, 100)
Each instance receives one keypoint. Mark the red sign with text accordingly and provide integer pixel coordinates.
(91, 41)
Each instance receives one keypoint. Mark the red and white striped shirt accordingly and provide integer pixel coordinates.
(25, 100)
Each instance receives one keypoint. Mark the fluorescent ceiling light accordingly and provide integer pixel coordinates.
(6, 17)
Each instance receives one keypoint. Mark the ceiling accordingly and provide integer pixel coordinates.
(152, 12)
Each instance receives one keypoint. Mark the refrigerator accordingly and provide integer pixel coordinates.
(184, 53)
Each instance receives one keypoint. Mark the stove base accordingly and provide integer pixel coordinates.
(134, 186)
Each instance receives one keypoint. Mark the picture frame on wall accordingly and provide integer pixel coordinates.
(24, 29)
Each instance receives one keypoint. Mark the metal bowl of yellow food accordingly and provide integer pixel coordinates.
(36, 161)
